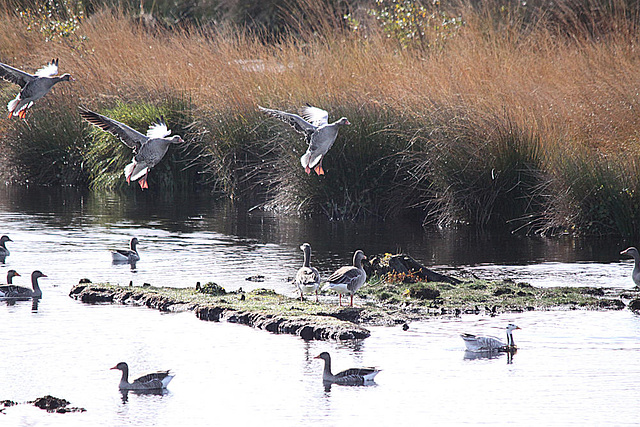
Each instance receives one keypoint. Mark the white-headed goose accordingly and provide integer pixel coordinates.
(635, 274)
(489, 343)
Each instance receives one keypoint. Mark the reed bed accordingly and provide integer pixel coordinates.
(516, 117)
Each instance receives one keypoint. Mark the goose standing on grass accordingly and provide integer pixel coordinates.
(307, 278)
(4, 252)
(635, 274)
(353, 376)
(33, 86)
(489, 343)
(13, 291)
(348, 279)
(154, 381)
(148, 149)
(127, 255)
(319, 133)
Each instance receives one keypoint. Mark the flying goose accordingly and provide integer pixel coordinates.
(127, 255)
(148, 149)
(489, 343)
(13, 291)
(319, 133)
(353, 376)
(154, 381)
(635, 274)
(308, 278)
(4, 252)
(348, 279)
(33, 86)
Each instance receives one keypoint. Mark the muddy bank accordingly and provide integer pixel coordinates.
(261, 308)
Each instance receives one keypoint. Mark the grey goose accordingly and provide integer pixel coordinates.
(353, 376)
(314, 124)
(4, 252)
(148, 149)
(153, 381)
(307, 278)
(34, 86)
(127, 255)
(348, 279)
(635, 274)
(13, 291)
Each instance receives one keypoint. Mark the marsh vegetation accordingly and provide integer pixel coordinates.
(494, 114)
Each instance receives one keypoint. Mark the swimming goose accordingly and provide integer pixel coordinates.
(319, 133)
(153, 381)
(347, 280)
(489, 343)
(127, 255)
(5, 288)
(307, 278)
(148, 149)
(353, 376)
(4, 252)
(13, 291)
(635, 275)
(33, 86)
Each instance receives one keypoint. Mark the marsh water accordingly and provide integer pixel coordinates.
(572, 367)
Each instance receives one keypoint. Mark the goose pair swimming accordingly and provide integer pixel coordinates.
(12, 291)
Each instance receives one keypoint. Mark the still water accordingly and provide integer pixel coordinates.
(573, 367)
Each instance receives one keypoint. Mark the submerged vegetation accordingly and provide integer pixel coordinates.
(491, 114)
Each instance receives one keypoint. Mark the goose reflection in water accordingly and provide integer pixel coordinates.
(125, 393)
(489, 354)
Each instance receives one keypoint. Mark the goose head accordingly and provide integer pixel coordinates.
(133, 243)
(324, 356)
(5, 239)
(343, 121)
(122, 366)
(176, 139)
(358, 256)
(511, 327)
(632, 252)
(10, 275)
(67, 77)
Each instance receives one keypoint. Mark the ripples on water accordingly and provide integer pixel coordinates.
(235, 374)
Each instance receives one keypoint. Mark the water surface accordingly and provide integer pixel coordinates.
(236, 374)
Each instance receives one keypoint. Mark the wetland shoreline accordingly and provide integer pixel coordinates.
(379, 303)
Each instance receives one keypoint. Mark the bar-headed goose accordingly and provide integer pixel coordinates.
(34, 86)
(153, 381)
(13, 291)
(127, 255)
(353, 376)
(635, 274)
(489, 343)
(314, 124)
(148, 149)
(308, 278)
(348, 279)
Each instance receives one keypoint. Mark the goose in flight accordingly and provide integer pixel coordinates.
(489, 343)
(308, 278)
(313, 123)
(148, 149)
(353, 376)
(153, 381)
(348, 279)
(34, 86)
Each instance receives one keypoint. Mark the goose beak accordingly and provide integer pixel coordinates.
(317, 357)
(624, 252)
(17, 274)
(115, 367)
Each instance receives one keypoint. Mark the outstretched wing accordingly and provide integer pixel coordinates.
(132, 138)
(14, 75)
(297, 122)
(49, 70)
(314, 115)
